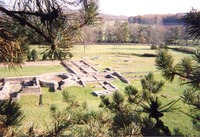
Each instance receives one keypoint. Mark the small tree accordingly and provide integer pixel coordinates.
(191, 21)
(10, 115)
(34, 55)
(129, 116)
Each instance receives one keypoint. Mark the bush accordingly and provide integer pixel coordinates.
(163, 46)
(56, 55)
(70, 55)
(34, 55)
(44, 57)
(154, 46)
(29, 55)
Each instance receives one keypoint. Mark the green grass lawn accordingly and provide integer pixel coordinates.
(40, 115)
(30, 70)
(122, 58)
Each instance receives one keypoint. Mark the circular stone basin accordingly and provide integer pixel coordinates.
(54, 77)
(56, 80)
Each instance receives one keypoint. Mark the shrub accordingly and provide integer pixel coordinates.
(34, 55)
(44, 57)
(70, 55)
(163, 46)
(56, 55)
(154, 46)
(29, 55)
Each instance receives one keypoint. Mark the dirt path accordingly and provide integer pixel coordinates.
(38, 63)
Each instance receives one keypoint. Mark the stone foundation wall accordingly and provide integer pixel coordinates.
(4, 93)
(31, 90)
(30, 85)
(20, 79)
(122, 78)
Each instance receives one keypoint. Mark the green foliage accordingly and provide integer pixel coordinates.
(118, 99)
(127, 114)
(124, 120)
(105, 102)
(187, 68)
(10, 113)
(197, 55)
(44, 56)
(70, 99)
(192, 96)
(148, 103)
(132, 93)
(151, 85)
(47, 21)
(29, 56)
(96, 123)
(196, 121)
(61, 121)
(154, 108)
(34, 54)
(164, 62)
(11, 52)
(13, 47)
(149, 128)
(192, 20)
(172, 91)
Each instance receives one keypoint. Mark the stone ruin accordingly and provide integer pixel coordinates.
(80, 73)
(57, 81)
(88, 74)
(15, 87)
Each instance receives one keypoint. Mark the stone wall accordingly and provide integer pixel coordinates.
(4, 93)
(51, 84)
(30, 85)
(31, 90)
(19, 79)
(122, 78)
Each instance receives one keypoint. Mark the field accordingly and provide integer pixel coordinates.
(127, 59)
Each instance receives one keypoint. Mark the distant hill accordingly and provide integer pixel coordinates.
(150, 19)
(107, 17)
(162, 19)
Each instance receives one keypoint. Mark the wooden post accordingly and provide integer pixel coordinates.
(40, 99)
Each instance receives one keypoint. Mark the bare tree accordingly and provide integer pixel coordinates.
(88, 36)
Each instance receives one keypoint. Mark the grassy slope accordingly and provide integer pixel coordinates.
(120, 58)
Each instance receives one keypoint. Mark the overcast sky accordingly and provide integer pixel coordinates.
(141, 7)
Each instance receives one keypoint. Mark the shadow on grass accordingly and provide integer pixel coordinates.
(129, 48)
(51, 89)
(136, 54)
(183, 50)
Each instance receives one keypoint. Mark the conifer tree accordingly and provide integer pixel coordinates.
(57, 23)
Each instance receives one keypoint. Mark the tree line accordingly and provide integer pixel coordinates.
(171, 19)
(123, 31)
